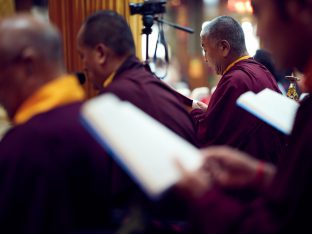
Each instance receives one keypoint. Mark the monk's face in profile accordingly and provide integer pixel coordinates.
(280, 31)
(91, 62)
(212, 54)
(13, 74)
(6, 78)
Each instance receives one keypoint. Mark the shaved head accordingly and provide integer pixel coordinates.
(24, 31)
(226, 28)
(109, 28)
(104, 42)
(31, 56)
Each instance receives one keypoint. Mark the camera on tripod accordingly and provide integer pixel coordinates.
(152, 10)
(148, 7)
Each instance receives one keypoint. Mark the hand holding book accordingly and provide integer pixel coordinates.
(146, 149)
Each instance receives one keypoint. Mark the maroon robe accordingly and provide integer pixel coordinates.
(224, 123)
(283, 208)
(54, 177)
(134, 84)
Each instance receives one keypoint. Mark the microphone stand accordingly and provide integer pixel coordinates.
(185, 29)
(148, 21)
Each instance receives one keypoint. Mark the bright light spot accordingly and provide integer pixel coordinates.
(252, 42)
(240, 6)
(211, 2)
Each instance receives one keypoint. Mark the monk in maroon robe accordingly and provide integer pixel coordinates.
(54, 177)
(224, 123)
(283, 204)
(116, 70)
(285, 191)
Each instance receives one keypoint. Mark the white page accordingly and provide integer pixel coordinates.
(143, 146)
(273, 108)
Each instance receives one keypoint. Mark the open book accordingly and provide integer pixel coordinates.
(275, 109)
(146, 149)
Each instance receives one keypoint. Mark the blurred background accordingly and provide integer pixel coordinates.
(186, 69)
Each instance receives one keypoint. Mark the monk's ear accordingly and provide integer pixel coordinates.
(224, 47)
(28, 57)
(101, 53)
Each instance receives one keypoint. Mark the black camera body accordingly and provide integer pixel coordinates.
(151, 7)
